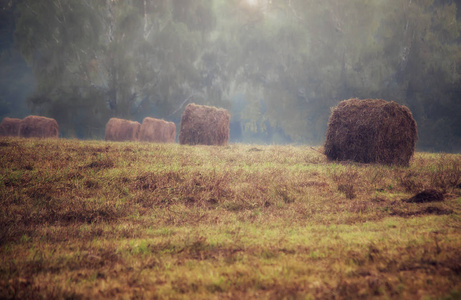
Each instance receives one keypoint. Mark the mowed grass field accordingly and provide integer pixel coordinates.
(94, 219)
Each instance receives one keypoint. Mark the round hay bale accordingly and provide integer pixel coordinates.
(39, 127)
(204, 125)
(10, 127)
(120, 130)
(371, 131)
(157, 131)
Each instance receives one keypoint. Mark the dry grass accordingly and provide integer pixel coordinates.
(87, 219)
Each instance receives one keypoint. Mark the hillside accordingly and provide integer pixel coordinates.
(93, 219)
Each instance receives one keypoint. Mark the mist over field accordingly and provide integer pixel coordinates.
(310, 197)
(277, 66)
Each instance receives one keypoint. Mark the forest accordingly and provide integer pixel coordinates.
(278, 66)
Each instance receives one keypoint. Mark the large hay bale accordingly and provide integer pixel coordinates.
(371, 131)
(157, 131)
(39, 127)
(120, 130)
(10, 127)
(204, 125)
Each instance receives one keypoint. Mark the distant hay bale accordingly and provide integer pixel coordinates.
(157, 131)
(10, 127)
(204, 125)
(371, 131)
(39, 127)
(120, 130)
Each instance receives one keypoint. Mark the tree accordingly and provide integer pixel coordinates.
(423, 39)
(296, 59)
(16, 79)
(278, 65)
(96, 59)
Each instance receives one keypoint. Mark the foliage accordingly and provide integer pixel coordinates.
(303, 57)
(92, 219)
(16, 82)
(281, 65)
(96, 59)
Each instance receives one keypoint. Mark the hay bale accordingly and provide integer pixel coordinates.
(157, 131)
(371, 131)
(204, 125)
(39, 127)
(120, 130)
(10, 127)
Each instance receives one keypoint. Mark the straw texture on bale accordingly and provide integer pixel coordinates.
(157, 131)
(371, 131)
(39, 127)
(204, 125)
(120, 130)
(10, 127)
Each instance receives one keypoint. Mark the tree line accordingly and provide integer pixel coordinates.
(278, 66)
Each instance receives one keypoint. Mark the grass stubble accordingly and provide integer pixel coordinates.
(93, 219)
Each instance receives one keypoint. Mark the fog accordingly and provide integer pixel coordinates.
(278, 66)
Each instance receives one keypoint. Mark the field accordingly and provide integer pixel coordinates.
(94, 219)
